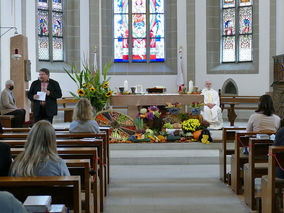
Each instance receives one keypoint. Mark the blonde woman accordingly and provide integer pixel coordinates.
(40, 156)
(83, 118)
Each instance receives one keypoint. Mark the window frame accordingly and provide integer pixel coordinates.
(237, 34)
(130, 36)
(50, 36)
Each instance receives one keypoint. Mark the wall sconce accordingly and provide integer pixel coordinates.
(16, 56)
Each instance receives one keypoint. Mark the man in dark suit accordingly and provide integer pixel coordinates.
(45, 109)
(5, 159)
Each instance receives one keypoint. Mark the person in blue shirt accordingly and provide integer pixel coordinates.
(83, 118)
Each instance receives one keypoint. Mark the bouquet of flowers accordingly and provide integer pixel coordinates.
(196, 108)
(150, 113)
(90, 85)
(191, 125)
(173, 109)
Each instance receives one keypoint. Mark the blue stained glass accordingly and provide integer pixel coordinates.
(120, 6)
(229, 3)
(42, 4)
(157, 6)
(57, 5)
(157, 25)
(121, 26)
(228, 22)
(57, 24)
(42, 23)
(245, 20)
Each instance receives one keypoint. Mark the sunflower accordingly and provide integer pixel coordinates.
(108, 94)
(81, 92)
(85, 85)
(92, 89)
(105, 85)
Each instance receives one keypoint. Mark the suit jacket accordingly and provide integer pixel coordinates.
(51, 103)
(6, 102)
(5, 159)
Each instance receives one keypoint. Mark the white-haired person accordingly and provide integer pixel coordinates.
(8, 105)
(40, 157)
(83, 118)
(212, 111)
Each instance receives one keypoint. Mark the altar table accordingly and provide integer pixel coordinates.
(133, 102)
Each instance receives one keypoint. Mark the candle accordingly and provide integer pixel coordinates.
(125, 85)
(190, 86)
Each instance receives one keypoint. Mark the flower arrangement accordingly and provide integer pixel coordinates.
(150, 113)
(90, 85)
(196, 108)
(173, 109)
(191, 125)
(196, 105)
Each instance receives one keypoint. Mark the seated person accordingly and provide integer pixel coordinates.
(83, 118)
(264, 118)
(40, 157)
(212, 111)
(10, 204)
(8, 105)
(5, 159)
(279, 141)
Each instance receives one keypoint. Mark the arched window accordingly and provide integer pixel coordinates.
(236, 31)
(139, 30)
(50, 30)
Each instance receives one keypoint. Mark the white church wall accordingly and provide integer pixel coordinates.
(8, 9)
(248, 84)
(279, 27)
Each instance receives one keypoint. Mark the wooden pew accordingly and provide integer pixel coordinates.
(20, 134)
(98, 143)
(231, 103)
(256, 167)
(228, 136)
(7, 120)
(78, 153)
(81, 167)
(238, 159)
(63, 189)
(269, 183)
(68, 111)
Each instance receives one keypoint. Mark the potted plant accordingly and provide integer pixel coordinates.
(196, 108)
(90, 85)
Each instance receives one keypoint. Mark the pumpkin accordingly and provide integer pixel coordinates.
(196, 134)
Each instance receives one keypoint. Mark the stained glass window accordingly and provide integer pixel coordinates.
(50, 35)
(121, 31)
(141, 26)
(237, 24)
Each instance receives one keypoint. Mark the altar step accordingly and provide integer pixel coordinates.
(164, 154)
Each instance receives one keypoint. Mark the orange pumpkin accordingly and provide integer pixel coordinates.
(196, 134)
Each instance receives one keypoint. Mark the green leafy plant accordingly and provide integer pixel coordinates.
(90, 86)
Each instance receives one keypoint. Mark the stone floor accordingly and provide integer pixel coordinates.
(168, 178)
(170, 189)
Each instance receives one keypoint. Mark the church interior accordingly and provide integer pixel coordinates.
(141, 106)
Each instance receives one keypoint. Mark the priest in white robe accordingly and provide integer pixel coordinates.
(212, 111)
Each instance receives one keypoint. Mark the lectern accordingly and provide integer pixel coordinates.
(19, 70)
(278, 85)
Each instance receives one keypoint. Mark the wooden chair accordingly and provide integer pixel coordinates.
(270, 183)
(68, 111)
(238, 159)
(228, 136)
(256, 167)
(63, 189)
